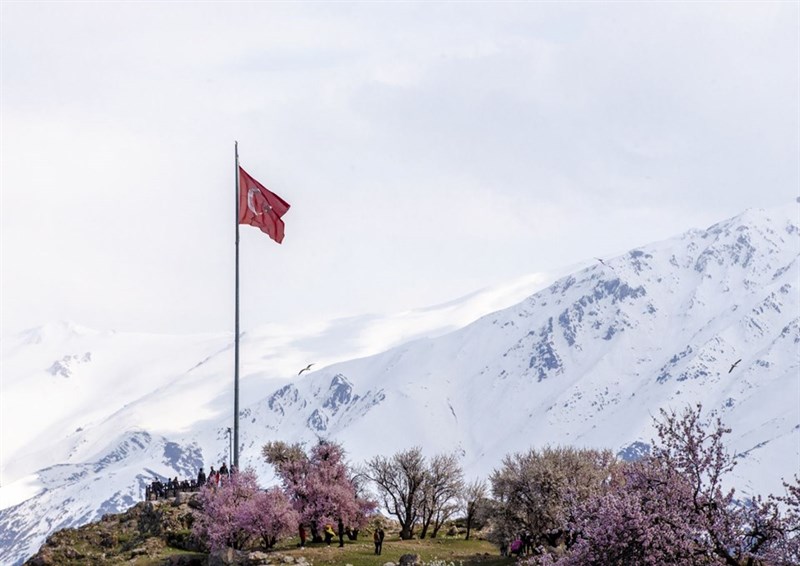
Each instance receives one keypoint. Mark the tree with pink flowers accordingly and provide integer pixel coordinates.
(672, 508)
(217, 523)
(268, 516)
(237, 512)
(319, 484)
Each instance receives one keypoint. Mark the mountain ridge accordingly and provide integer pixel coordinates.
(586, 360)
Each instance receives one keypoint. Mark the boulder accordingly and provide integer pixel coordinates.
(227, 557)
(410, 560)
(258, 558)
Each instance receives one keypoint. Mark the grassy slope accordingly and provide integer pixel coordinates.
(362, 552)
(442, 552)
(152, 534)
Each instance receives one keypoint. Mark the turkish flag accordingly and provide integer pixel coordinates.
(260, 207)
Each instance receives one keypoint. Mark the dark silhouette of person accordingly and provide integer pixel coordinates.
(340, 529)
(201, 478)
(527, 542)
(381, 534)
(302, 536)
(223, 470)
(376, 538)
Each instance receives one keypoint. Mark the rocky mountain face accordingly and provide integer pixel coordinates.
(710, 316)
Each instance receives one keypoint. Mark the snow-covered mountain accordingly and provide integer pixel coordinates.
(82, 408)
(90, 417)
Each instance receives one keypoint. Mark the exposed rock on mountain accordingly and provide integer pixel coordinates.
(586, 361)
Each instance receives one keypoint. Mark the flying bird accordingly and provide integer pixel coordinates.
(604, 264)
(307, 368)
(736, 363)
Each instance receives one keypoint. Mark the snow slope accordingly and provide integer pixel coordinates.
(591, 359)
(587, 360)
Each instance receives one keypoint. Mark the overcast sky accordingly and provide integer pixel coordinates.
(427, 150)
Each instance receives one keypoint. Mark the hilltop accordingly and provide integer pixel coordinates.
(158, 533)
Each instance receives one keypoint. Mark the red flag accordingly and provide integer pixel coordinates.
(260, 207)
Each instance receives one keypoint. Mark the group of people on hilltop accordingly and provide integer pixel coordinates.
(215, 477)
(159, 489)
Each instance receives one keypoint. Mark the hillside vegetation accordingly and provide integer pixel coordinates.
(559, 506)
(159, 533)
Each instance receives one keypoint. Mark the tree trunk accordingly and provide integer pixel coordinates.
(407, 533)
(315, 536)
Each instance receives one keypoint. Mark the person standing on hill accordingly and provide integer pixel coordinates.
(329, 534)
(376, 538)
(340, 528)
(201, 478)
(223, 471)
(516, 546)
(527, 543)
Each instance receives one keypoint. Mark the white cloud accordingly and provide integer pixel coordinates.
(427, 150)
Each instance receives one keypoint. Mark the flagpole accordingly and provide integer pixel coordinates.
(235, 462)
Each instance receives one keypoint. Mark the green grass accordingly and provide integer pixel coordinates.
(446, 550)
(168, 552)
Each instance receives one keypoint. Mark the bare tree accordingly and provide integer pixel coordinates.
(444, 480)
(472, 498)
(399, 481)
(279, 453)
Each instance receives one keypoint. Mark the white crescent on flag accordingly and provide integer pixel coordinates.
(251, 200)
(252, 193)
